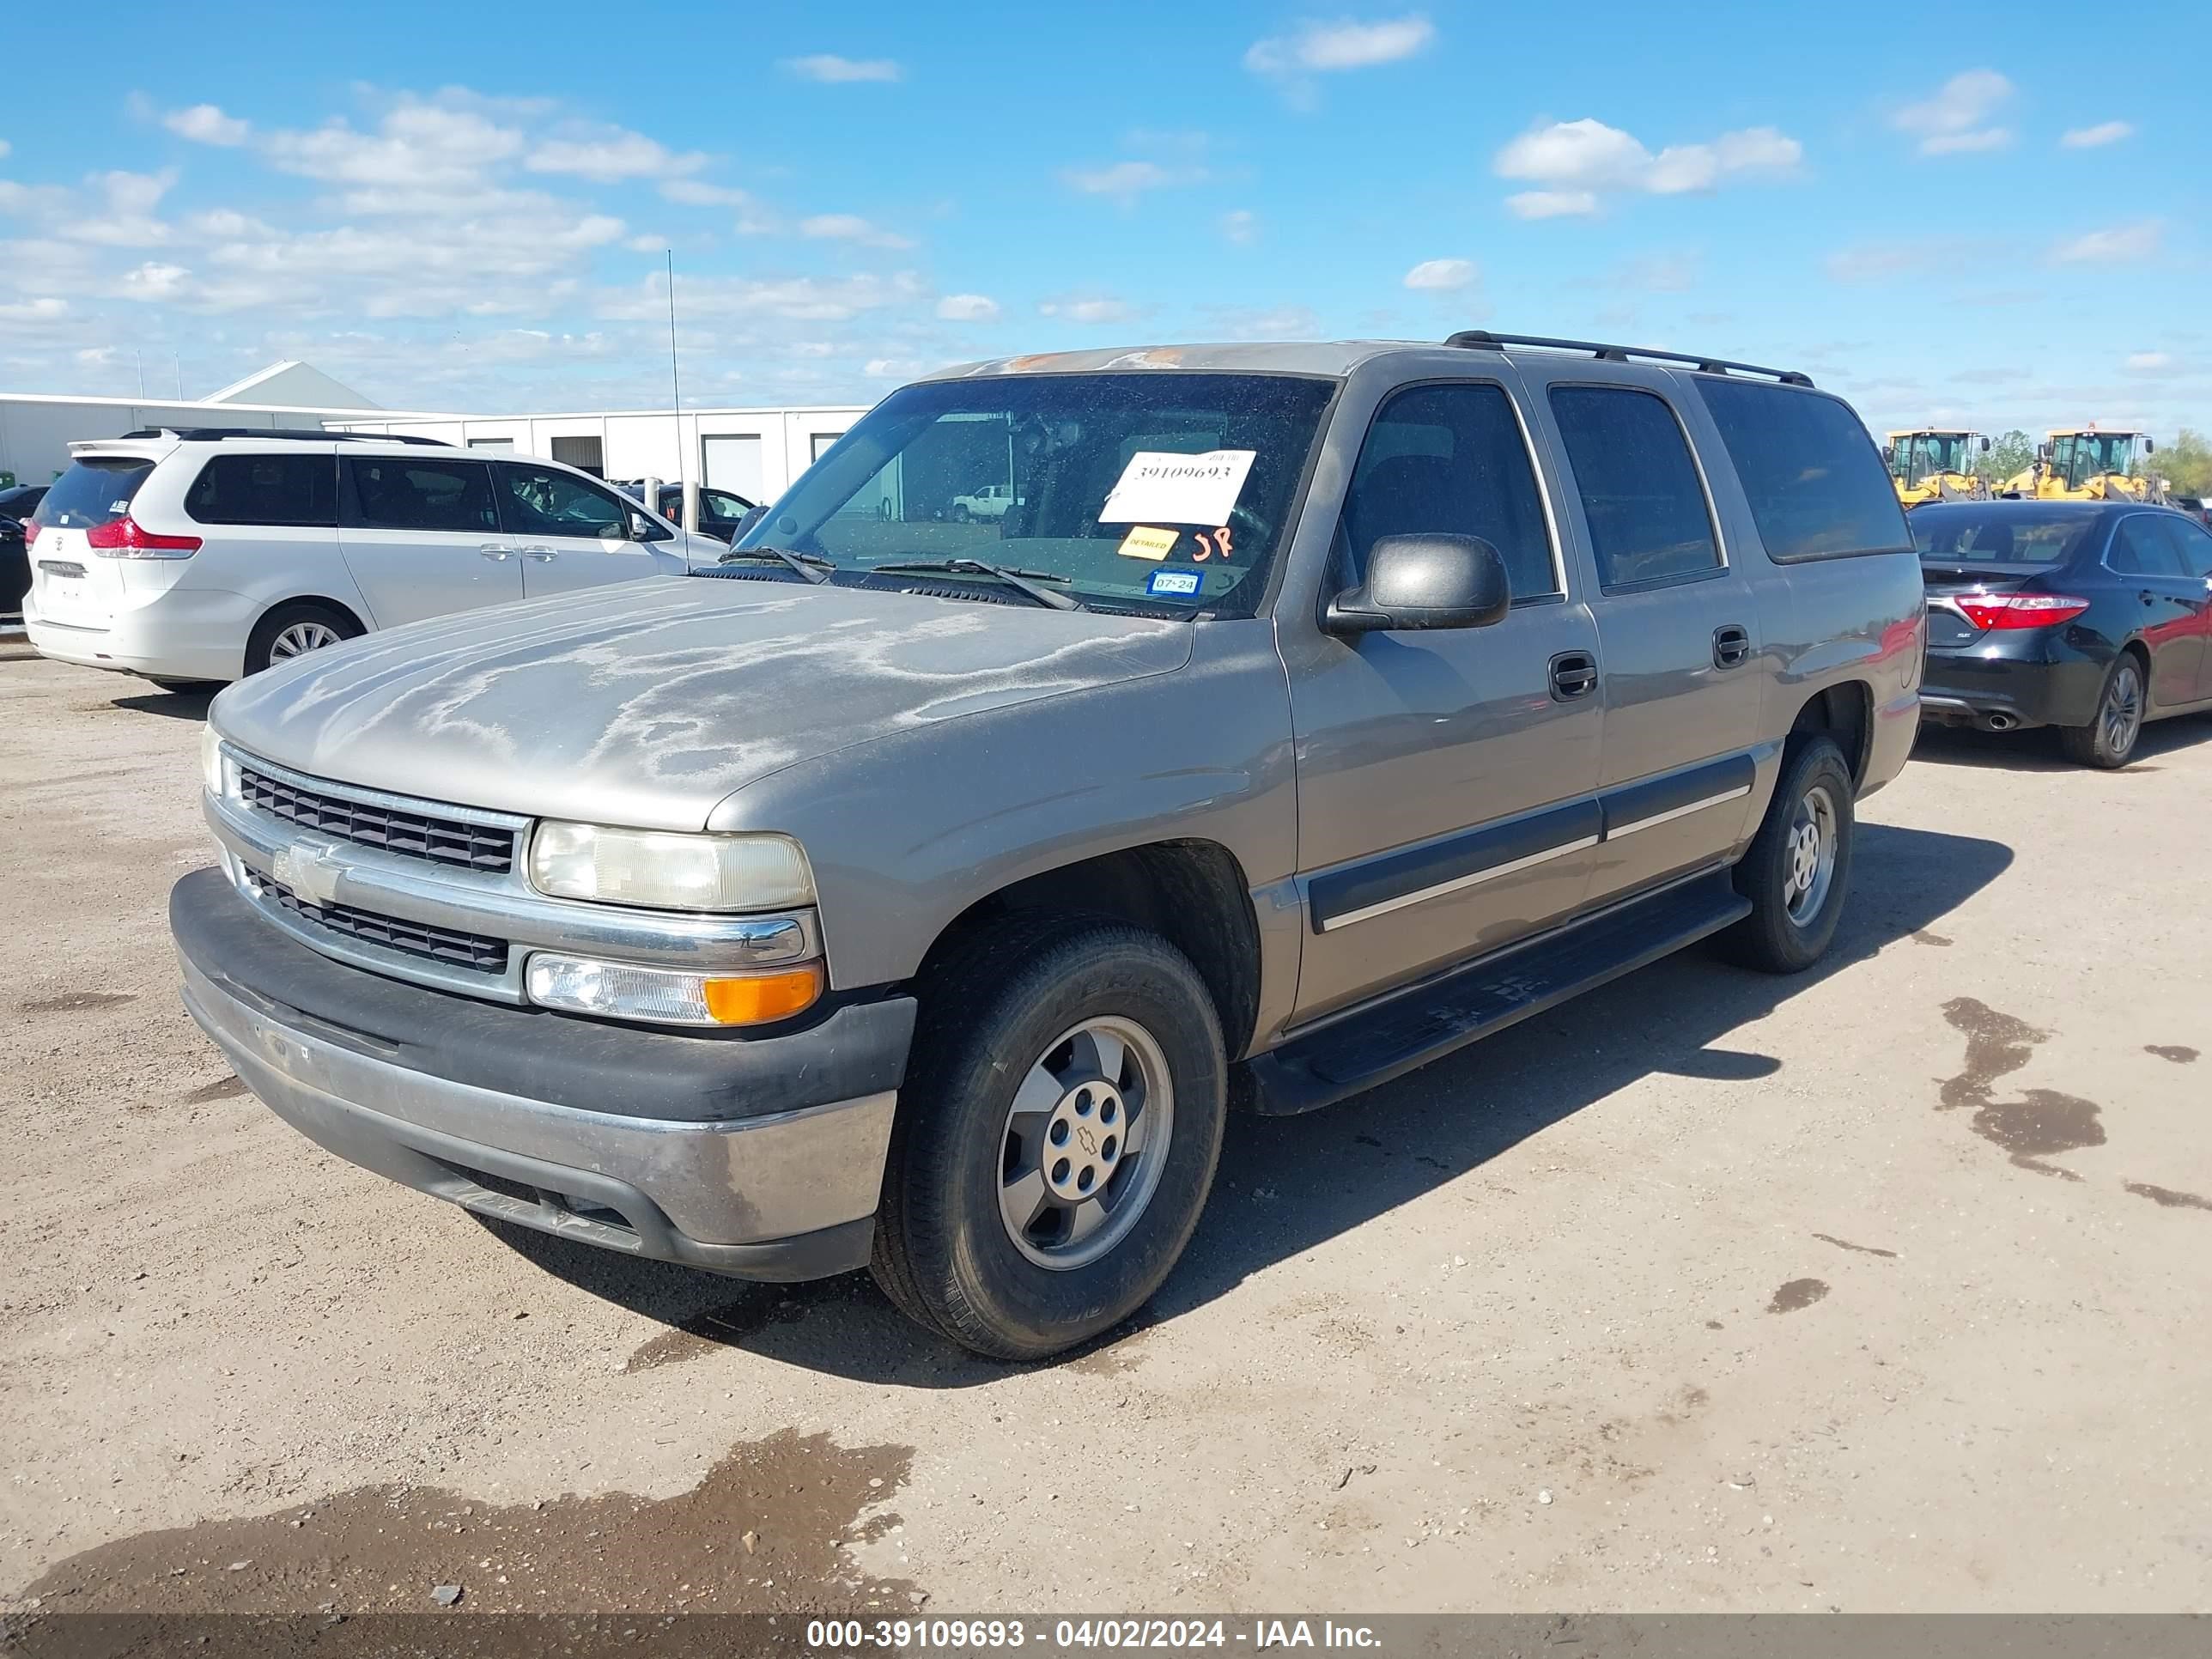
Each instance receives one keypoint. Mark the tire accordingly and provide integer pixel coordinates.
(293, 630)
(1793, 919)
(2109, 739)
(1022, 1007)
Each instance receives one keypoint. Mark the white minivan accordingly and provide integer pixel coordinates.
(208, 553)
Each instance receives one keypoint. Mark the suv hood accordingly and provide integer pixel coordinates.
(649, 702)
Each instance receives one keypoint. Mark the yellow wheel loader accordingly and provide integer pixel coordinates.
(1931, 465)
(2085, 463)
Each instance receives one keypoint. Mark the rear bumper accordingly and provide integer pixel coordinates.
(1978, 689)
(181, 634)
(781, 1185)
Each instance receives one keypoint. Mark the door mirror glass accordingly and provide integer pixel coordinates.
(751, 516)
(644, 529)
(1426, 581)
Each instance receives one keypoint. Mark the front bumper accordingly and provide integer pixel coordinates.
(759, 1157)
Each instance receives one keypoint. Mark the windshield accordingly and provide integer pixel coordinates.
(1923, 454)
(1155, 492)
(1998, 533)
(2078, 457)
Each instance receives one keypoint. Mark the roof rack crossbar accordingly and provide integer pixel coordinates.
(1483, 340)
(285, 433)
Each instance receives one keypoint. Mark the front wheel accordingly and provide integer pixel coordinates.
(2109, 739)
(1799, 867)
(1057, 1137)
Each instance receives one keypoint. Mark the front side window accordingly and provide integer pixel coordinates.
(1813, 477)
(1449, 460)
(2192, 542)
(541, 501)
(1641, 495)
(266, 489)
(402, 493)
(1154, 489)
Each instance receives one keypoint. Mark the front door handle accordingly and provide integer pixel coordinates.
(1731, 645)
(1574, 674)
(494, 551)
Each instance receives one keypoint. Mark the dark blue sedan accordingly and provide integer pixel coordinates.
(2092, 616)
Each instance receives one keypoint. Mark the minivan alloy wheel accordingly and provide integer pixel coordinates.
(301, 638)
(1812, 854)
(1085, 1138)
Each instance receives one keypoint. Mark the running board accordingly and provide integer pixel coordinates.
(1430, 1021)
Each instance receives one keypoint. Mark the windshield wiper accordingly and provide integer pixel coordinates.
(813, 566)
(1025, 581)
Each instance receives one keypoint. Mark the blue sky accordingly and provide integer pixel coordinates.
(1947, 219)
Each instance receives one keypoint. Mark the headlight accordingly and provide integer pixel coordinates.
(666, 870)
(212, 770)
(660, 996)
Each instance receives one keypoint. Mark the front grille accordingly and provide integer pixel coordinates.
(416, 939)
(419, 835)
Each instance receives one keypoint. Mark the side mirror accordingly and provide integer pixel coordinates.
(746, 520)
(644, 529)
(1424, 582)
(1985, 445)
(1889, 454)
(2150, 448)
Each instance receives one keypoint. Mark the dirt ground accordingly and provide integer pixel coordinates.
(1883, 1288)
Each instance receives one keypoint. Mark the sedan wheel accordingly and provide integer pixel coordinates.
(2109, 740)
(301, 638)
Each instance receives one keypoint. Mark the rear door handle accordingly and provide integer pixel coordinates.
(494, 551)
(540, 553)
(1574, 674)
(1731, 645)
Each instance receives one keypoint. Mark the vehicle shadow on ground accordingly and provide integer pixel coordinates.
(1289, 1184)
(186, 702)
(2037, 748)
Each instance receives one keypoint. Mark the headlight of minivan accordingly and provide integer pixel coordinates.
(666, 870)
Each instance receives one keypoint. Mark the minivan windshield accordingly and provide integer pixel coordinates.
(1145, 490)
(95, 491)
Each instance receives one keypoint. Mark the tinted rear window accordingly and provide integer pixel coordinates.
(268, 490)
(395, 493)
(1815, 481)
(93, 492)
(1641, 494)
(1999, 532)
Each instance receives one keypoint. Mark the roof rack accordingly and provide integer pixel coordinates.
(288, 434)
(1483, 340)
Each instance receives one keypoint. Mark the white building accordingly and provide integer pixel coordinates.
(37, 428)
(753, 452)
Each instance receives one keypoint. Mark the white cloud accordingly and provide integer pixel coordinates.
(2120, 244)
(34, 311)
(850, 227)
(2104, 132)
(127, 220)
(697, 193)
(1097, 310)
(1437, 275)
(829, 67)
(2148, 362)
(968, 308)
(5, 147)
(204, 124)
(1241, 226)
(797, 299)
(1873, 262)
(1126, 180)
(892, 368)
(1551, 203)
(608, 156)
(1956, 118)
(155, 282)
(1575, 164)
(1328, 48)
(99, 357)
(1263, 322)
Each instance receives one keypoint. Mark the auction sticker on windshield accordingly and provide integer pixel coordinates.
(1143, 542)
(1170, 488)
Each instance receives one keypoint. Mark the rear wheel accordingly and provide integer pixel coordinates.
(1056, 1139)
(2109, 739)
(293, 630)
(1799, 867)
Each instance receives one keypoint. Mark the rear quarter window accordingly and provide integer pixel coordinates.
(1814, 480)
(266, 489)
(93, 492)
